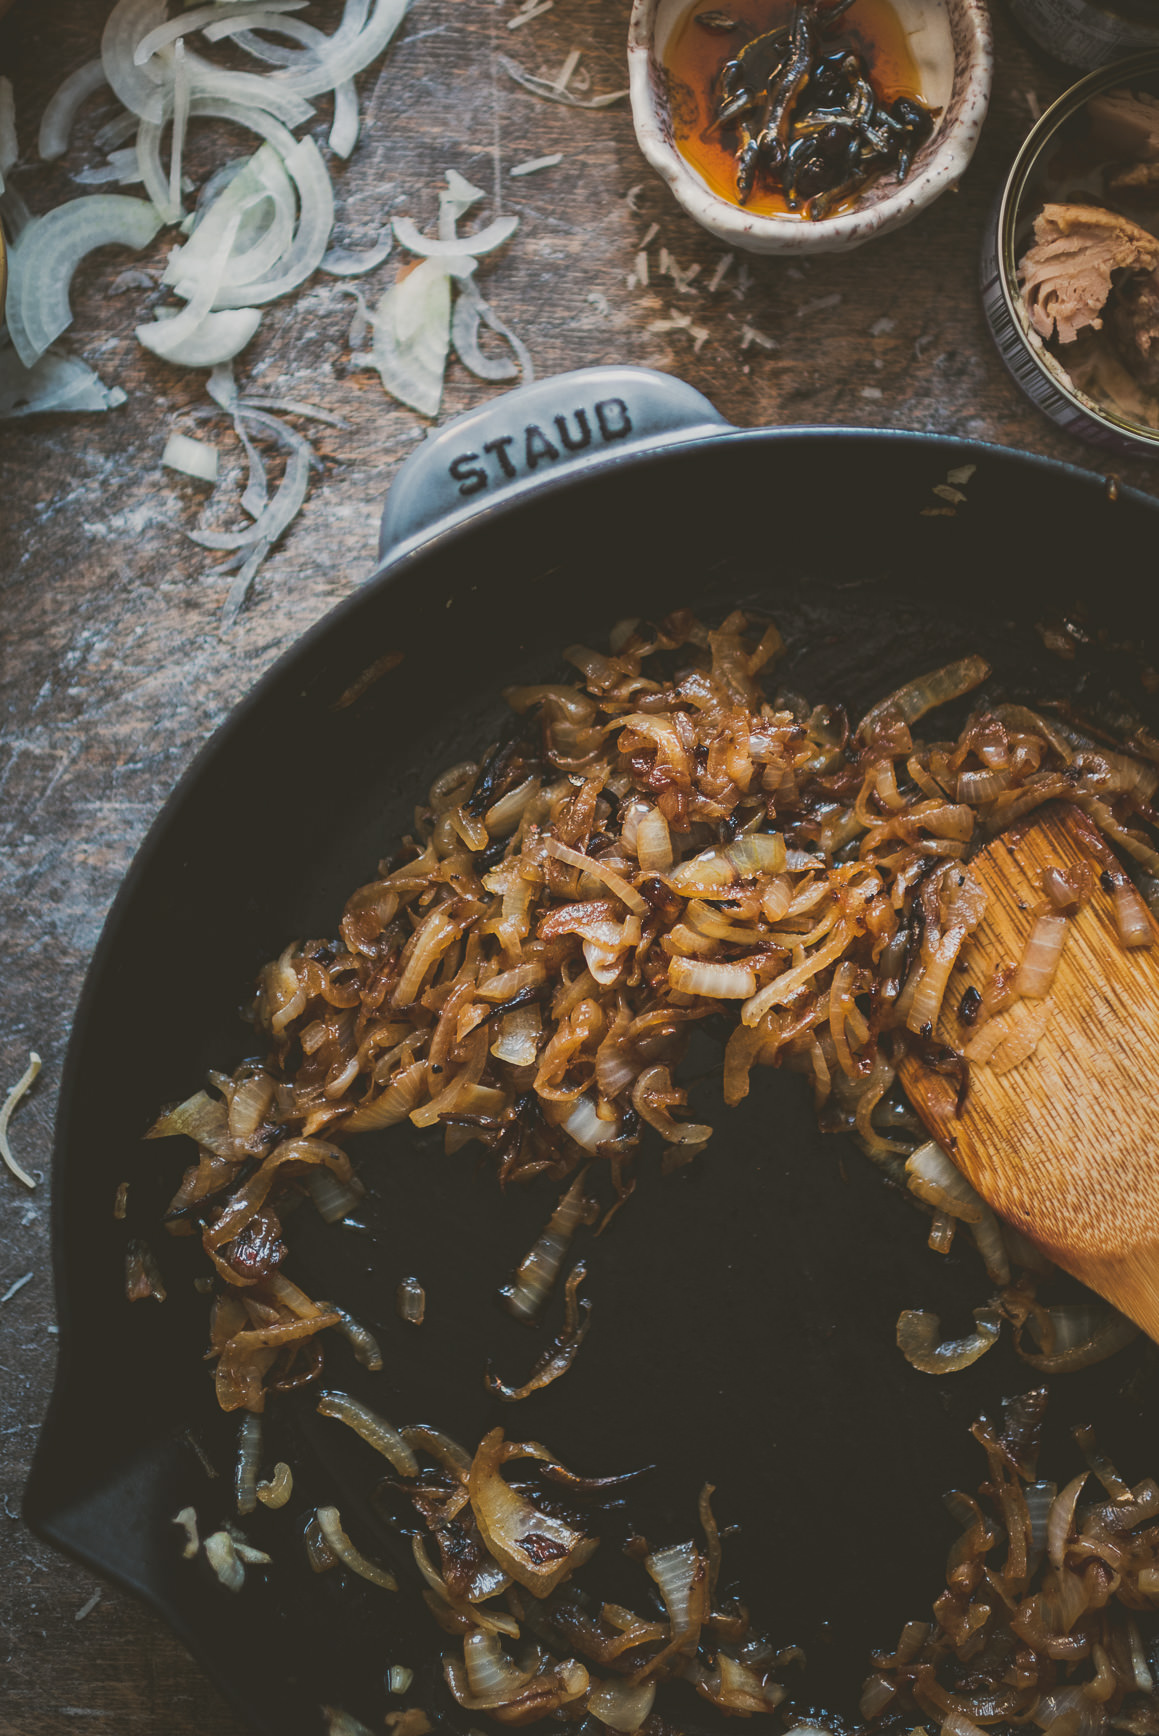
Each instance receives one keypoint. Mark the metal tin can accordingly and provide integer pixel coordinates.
(1087, 33)
(1008, 232)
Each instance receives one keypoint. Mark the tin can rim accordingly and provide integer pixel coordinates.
(1009, 209)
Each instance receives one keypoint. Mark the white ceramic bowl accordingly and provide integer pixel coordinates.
(952, 43)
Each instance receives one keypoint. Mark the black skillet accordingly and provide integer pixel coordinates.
(744, 1309)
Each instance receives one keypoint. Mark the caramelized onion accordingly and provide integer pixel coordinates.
(916, 698)
(535, 1547)
(537, 1272)
(918, 1335)
(249, 1448)
(1081, 1335)
(1132, 917)
(718, 982)
(339, 1544)
(934, 1178)
(375, 1430)
(653, 843)
(621, 1705)
(1040, 960)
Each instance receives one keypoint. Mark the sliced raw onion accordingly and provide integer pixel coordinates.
(172, 209)
(347, 123)
(412, 328)
(455, 201)
(57, 382)
(60, 111)
(195, 458)
(550, 92)
(316, 220)
(123, 168)
(136, 87)
(408, 235)
(261, 196)
(345, 55)
(918, 1340)
(471, 313)
(216, 338)
(290, 494)
(199, 16)
(354, 262)
(42, 262)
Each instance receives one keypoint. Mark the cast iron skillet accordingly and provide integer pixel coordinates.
(744, 1308)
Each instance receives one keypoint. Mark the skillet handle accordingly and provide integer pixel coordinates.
(515, 443)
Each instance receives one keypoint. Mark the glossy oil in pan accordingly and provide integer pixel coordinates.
(744, 1309)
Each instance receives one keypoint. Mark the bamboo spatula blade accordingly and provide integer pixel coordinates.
(1065, 1144)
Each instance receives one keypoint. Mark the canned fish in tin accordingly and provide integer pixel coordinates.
(1086, 387)
(1088, 33)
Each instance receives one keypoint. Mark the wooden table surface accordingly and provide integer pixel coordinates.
(116, 667)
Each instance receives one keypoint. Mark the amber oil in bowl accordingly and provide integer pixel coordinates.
(694, 57)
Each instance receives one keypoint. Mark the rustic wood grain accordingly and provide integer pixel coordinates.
(116, 668)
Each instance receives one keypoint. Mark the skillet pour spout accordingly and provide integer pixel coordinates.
(744, 1309)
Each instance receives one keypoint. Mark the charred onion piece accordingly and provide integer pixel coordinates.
(560, 1355)
(535, 1547)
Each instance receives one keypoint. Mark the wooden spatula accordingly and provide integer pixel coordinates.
(1065, 1145)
